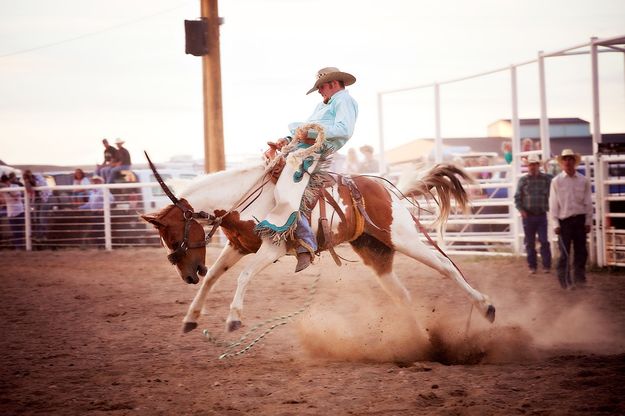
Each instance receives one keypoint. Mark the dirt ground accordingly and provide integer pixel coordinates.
(99, 333)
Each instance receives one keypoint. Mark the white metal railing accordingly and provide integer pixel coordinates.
(610, 192)
(491, 228)
(57, 217)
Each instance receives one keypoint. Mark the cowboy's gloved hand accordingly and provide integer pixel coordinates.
(302, 136)
(274, 147)
(277, 170)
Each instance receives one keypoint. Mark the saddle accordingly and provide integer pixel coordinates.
(353, 221)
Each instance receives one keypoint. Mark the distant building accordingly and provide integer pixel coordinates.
(572, 133)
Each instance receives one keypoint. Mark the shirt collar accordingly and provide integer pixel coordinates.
(336, 94)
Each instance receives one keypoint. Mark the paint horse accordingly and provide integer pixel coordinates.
(236, 199)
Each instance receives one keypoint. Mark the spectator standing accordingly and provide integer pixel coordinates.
(352, 164)
(15, 210)
(369, 164)
(110, 154)
(29, 183)
(527, 145)
(506, 149)
(570, 205)
(532, 200)
(121, 161)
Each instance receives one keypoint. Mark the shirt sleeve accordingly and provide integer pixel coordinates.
(340, 128)
(554, 208)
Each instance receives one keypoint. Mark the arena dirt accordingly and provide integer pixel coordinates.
(95, 332)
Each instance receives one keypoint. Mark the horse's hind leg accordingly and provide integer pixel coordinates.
(406, 240)
(379, 257)
(227, 258)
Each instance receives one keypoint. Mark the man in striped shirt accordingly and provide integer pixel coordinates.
(570, 204)
(532, 201)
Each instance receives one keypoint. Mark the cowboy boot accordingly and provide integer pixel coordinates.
(303, 260)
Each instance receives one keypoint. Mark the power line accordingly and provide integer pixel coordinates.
(97, 32)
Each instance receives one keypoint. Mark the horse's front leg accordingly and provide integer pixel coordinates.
(227, 258)
(266, 255)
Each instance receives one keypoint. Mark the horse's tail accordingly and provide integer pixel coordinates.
(442, 183)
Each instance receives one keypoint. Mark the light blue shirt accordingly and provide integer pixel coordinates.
(96, 200)
(338, 118)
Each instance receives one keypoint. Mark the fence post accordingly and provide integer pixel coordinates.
(108, 244)
(514, 166)
(27, 223)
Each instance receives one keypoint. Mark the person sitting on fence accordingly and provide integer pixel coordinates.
(369, 164)
(109, 154)
(120, 162)
(96, 196)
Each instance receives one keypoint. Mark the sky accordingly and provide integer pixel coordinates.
(77, 71)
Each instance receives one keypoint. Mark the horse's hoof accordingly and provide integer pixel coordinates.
(189, 326)
(234, 325)
(490, 313)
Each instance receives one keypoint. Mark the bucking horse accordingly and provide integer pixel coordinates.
(364, 211)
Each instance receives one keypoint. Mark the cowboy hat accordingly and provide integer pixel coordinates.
(366, 148)
(569, 153)
(331, 74)
(533, 159)
(97, 178)
(119, 141)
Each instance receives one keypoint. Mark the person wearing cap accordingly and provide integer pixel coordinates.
(121, 161)
(96, 196)
(570, 204)
(336, 113)
(532, 200)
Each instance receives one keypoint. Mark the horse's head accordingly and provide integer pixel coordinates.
(181, 234)
(183, 237)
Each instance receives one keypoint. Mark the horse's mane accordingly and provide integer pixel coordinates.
(229, 184)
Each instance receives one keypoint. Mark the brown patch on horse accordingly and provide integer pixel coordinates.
(374, 253)
(239, 233)
(378, 206)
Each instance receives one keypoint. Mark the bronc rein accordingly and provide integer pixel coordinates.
(190, 215)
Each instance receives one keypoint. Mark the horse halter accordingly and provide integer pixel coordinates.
(189, 216)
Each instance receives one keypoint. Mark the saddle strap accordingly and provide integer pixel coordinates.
(326, 234)
(358, 199)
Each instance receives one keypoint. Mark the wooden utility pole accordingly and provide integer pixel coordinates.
(214, 157)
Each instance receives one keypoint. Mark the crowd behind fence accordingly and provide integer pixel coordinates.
(56, 221)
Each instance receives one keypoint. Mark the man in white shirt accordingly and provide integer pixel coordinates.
(570, 205)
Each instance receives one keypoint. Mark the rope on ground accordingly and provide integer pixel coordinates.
(230, 348)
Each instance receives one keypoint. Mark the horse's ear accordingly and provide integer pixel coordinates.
(153, 219)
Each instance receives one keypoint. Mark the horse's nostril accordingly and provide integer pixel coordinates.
(189, 279)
